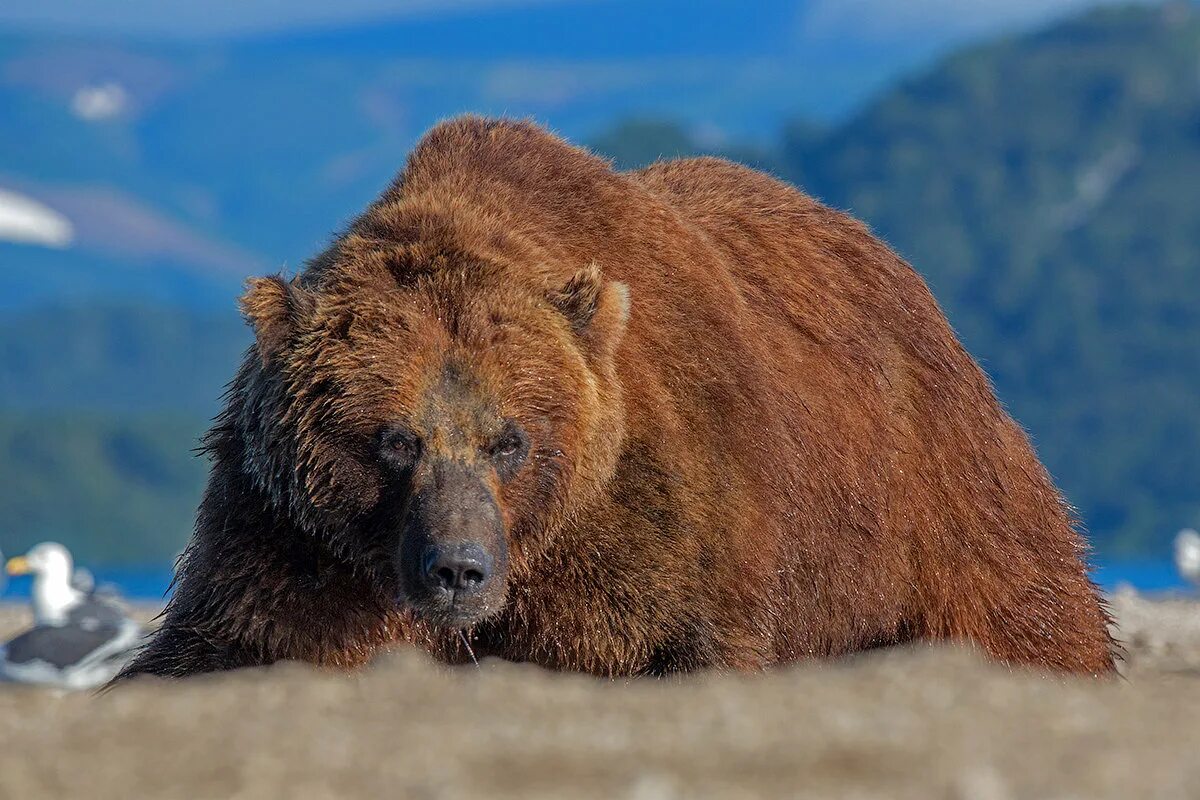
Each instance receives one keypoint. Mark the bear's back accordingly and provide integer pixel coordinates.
(788, 252)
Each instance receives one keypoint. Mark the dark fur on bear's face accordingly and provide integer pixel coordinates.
(418, 442)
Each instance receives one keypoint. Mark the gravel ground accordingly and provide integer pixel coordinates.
(916, 723)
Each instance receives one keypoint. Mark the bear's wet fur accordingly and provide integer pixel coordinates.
(752, 437)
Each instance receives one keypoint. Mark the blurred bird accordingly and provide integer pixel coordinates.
(53, 570)
(80, 639)
(1187, 555)
(83, 580)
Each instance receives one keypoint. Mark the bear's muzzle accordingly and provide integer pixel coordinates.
(453, 554)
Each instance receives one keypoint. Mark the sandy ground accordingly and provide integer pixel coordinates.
(919, 723)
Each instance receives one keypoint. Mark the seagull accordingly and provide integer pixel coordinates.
(53, 572)
(1187, 555)
(79, 640)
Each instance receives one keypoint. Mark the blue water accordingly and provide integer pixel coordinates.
(135, 583)
(1146, 575)
(152, 583)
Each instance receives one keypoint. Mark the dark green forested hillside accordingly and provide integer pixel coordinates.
(115, 488)
(126, 359)
(101, 410)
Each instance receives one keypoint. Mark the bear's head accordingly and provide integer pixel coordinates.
(430, 414)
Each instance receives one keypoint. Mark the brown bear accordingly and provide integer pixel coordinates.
(621, 423)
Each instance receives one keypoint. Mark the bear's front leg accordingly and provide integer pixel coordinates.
(252, 590)
(255, 610)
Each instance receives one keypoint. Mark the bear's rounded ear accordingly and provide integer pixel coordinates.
(273, 306)
(596, 309)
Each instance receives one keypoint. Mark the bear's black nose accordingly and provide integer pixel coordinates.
(461, 568)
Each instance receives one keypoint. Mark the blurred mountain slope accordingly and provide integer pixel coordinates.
(124, 359)
(113, 488)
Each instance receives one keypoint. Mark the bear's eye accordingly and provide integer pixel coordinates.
(399, 447)
(511, 445)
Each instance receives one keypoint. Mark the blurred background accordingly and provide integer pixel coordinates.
(1038, 162)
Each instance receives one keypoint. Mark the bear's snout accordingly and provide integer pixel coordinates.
(463, 568)
(453, 551)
